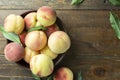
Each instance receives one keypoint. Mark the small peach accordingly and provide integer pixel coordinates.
(48, 52)
(63, 73)
(13, 52)
(51, 29)
(30, 20)
(59, 42)
(46, 16)
(36, 40)
(38, 24)
(22, 37)
(41, 65)
(29, 54)
(14, 23)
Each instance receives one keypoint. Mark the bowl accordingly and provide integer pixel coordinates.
(60, 56)
(60, 25)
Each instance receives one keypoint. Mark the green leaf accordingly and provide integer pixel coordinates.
(115, 2)
(37, 28)
(76, 2)
(50, 77)
(36, 77)
(10, 36)
(115, 23)
(80, 76)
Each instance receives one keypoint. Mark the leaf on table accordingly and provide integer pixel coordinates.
(10, 36)
(37, 28)
(80, 76)
(115, 24)
(76, 2)
(36, 77)
(115, 2)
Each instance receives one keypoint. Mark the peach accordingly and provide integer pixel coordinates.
(29, 54)
(63, 73)
(41, 65)
(22, 37)
(59, 42)
(38, 24)
(36, 40)
(30, 20)
(13, 52)
(51, 29)
(46, 16)
(48, 52)
(14, 23)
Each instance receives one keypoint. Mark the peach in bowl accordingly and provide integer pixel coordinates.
(43, 40)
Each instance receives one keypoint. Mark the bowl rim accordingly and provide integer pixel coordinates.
(59, 58)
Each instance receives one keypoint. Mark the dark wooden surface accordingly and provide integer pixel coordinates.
(95, 50)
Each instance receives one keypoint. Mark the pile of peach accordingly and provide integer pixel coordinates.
(38, 47)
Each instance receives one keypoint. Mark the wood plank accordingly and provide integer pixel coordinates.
(95, 50)
(21, 78)
(93, 67)
(3, 42)
(14, 78)
(94, 46)
(17, 70)
(57, 4)
(4, 78)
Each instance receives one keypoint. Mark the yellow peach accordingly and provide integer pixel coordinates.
(14, 23)
(59, 42)
(38, 24)
(46, 16)
(36, 40)
(41, 65)
(48, 52)
(29, 54)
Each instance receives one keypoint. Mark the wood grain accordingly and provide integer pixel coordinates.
(90, 31)
(92, 67)
(57, 4)
(94, 47)
(95, 50)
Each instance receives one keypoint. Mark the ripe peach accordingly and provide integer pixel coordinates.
(14, 23)
(14, 52)
(36, 40)
(38, 24)
(22, 37)
(51, 29)
(29, 54)
(59, 42)
(30, 20)
(48, 52)
(46, 16)
(63, 73)
(41, 65)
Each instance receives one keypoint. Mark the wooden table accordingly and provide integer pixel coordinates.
(95, 50)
